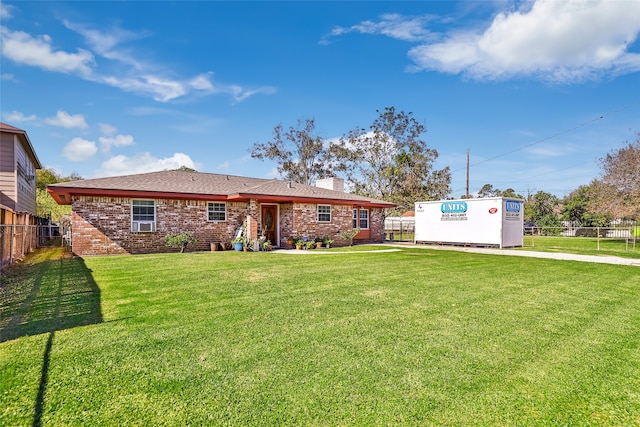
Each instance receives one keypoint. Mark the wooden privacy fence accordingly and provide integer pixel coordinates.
(17, 240)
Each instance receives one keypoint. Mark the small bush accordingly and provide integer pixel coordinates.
(181, 240)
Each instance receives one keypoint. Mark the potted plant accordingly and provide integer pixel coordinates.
(327, 242)
(266, 245)
(299, 243)
(238, 243)
(318, 241)
(310, 244)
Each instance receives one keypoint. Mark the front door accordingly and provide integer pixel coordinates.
(269, 223)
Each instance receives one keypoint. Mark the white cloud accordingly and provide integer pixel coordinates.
(202, 82)
(107, 129)
(559, 41)
(115, 141)
(66, 120)
(5, 11)
(78, 150)
(105, 43)
(145, 162)
(392, 25)
(22, 48)
(18, 117)
(159, 89)
(8, 76)
(123, 68)
(552, 150)
(224, 166)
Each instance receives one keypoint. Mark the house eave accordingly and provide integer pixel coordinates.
(245, 197)
(63, 196)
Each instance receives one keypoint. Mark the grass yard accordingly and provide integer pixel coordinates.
(583, 245)
(415, 337)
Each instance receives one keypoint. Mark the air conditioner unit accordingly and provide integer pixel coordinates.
(143, 226)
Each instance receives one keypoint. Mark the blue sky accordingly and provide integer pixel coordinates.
(537, 91)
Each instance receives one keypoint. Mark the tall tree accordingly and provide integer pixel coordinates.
(578, 208)
(617, 193)
(45, 205)
(487, 190)
(541, 208)
(299, 153)
(391, 161)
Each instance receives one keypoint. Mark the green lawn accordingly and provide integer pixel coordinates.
(583, 245)
(415, 337)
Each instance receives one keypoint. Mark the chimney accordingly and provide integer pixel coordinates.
(336, 184)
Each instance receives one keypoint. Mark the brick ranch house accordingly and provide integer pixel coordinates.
(133, 213)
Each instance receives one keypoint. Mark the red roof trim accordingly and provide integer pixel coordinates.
(62, 196)
(243, 197)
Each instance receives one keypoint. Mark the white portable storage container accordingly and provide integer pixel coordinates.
(494, 221)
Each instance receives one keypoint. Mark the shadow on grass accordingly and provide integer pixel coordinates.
(50, 292)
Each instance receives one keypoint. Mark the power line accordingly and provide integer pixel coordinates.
(562, 132)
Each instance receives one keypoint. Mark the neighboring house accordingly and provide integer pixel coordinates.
(18, 164)
(133, 213)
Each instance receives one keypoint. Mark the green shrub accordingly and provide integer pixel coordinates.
(181, 240)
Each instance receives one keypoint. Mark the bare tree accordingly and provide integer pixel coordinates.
(618, 191)
(299, 153)
(391, 161)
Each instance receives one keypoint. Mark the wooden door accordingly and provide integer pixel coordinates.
(270, 223)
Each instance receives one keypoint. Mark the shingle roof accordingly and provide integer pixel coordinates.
(183, 184)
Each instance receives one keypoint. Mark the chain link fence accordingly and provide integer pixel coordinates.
(399, 230)
(627, 235)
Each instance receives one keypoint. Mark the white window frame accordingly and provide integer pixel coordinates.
(324, 213)
(149, 224)
(210, 211)
(366, 219)
(355, 219)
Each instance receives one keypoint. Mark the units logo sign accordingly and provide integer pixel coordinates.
(512, 210)
(454, 211)
(512, 206)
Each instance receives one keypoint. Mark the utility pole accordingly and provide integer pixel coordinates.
(467, 173)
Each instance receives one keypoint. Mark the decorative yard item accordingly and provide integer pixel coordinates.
(181, 240)
(327, 242)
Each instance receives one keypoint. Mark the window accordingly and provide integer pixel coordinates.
(217, 211)
(364, 219)
(361, 219)
(143, 210)
(324, 213)
(143, 216)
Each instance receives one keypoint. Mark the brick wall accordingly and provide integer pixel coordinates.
(102, 225)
